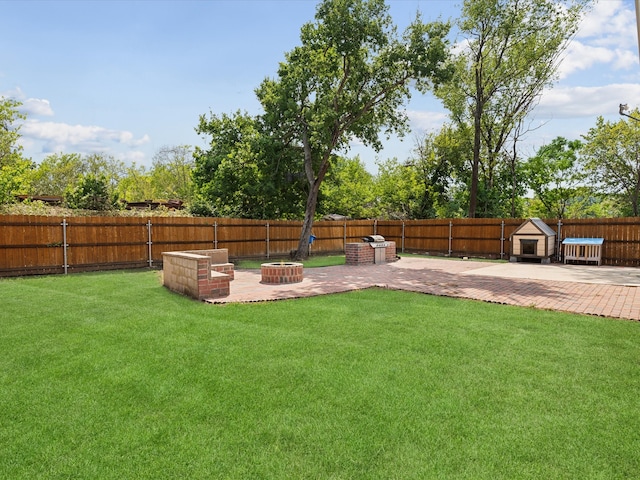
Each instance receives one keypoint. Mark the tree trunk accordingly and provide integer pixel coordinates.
(302, 251)
(636, 193)
(477, 137)
(314, 182)
(473, 193)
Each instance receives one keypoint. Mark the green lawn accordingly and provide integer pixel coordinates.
(110, 376)
(311, 262)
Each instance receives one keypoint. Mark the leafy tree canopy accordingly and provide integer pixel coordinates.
(556, 177)
(246, 172)
(10, 150)
(612, 158)
(510, 53)
(349, 190)
(348, 79)
(14, 168)
(92, 192)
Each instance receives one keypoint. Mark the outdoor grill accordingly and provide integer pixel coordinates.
(379, 246)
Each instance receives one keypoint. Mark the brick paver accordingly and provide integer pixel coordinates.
(447, 278)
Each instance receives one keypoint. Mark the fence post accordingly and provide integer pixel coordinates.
(375, 227)
(450, 236)
(267, 239)
(64, 245)
(559, 240)
(215, 234)
(402, 247)
(501, 239)
(344, 236)
(150, 261)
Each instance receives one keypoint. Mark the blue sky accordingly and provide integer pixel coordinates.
(126, 78)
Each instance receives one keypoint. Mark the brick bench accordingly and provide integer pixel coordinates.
(219, 260)
(199, 274)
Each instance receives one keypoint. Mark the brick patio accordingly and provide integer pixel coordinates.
(594, 294)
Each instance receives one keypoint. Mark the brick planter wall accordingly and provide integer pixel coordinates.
(191, 273)
(390, 252)
(362, 253)
(358, 254)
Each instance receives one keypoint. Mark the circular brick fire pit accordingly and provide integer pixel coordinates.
(281, 272)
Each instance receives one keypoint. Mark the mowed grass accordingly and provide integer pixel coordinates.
(111, 376)
(310, 262)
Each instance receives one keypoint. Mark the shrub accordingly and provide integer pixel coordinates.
(91, 193)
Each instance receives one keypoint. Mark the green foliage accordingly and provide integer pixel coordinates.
(512, 52)
(170, 177)
(14, 179)
(348, 190)
(15, 170)
(55, 173)
(171, 173)
(612, 159)
(246, 172)
(91, 193)
(136, 185)
(199, 207)
(400, 190)
(428, 185)
(227, 173)
(437, 159)
(557, 178)
(10, 150)
(111, 376)
(58, 173)
(111, 169)
(349, 79)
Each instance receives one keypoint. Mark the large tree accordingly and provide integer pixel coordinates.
(246, 171)
(10, 149)
(612, 158)
(509, 52)
(15, 170)
(91, 192)
(400, 189)
(556, 176)
(136, 185)
(349, 79)
(170, 177)
(56, 172)
(171, 173)
(349, 190)
(59, 172)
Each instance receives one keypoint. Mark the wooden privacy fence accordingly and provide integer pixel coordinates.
(41, 245)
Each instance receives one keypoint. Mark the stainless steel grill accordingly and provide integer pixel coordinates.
(378, 243)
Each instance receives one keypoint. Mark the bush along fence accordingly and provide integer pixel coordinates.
(42, 245)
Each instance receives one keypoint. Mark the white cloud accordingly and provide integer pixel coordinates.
(45, 137)
(568, 102)
(13, 93)
(134, 156)
(625, 59)
(610, 22)
(607, 38)
(580, 56)
(37, 106)
(426, 120)
(30, 106)
(57, 137)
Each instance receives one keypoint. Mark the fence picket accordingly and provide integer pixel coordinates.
(38, 244)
